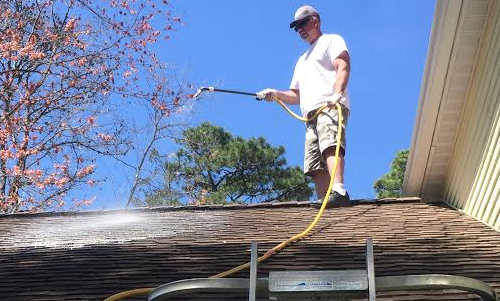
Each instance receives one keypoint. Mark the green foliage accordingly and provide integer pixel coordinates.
(391, 184)
(213, 167)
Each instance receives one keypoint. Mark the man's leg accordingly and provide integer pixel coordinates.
(321, 182)
(323, 131)
(322, 177)
(329, 154)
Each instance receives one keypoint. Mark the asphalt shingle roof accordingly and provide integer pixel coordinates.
(92, 255)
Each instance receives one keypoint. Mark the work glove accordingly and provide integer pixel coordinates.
(335, 98)
(267, 94)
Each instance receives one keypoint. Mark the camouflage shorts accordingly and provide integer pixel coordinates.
(321, 133)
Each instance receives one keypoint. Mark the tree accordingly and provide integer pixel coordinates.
(60, 63)
(211, 166)
(145, 136)
(391, 184)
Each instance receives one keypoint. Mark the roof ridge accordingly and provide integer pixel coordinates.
(206, 207)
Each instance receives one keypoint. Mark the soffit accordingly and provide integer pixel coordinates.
(454, 43)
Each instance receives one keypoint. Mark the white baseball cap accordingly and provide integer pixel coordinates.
(302, 13)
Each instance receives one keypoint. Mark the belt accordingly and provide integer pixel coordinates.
(311, 114)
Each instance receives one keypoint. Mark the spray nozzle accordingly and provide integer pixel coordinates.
(200, 90)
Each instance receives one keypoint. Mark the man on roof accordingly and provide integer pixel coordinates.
(321, 76)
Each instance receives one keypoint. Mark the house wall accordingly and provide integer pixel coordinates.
(472, 183)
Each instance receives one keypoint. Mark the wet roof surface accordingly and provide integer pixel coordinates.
(77, 231)
(90, 256)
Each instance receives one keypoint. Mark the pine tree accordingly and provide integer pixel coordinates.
(391, 184)
(211, 166)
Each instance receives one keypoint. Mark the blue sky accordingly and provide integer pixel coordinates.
(248, 46)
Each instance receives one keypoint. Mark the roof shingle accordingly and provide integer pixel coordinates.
(92, 255)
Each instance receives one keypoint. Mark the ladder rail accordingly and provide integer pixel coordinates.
(436, 281)
(253, 272)
(176, 288)
(370, 270)
(383, 284)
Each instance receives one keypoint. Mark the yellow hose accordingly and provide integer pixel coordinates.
(285, 243)
(130, 293)
(271, 252)
(312, 117)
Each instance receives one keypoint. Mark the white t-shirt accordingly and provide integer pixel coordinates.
(315, 75)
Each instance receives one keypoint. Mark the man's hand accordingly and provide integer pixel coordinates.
(335, 98)
(267, 94)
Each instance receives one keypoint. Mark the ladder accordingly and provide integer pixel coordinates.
(321, 285)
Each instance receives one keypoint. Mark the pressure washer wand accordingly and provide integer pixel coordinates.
(260, 96)
(212, 89)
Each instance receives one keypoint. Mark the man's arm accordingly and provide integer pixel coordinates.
(342, 65)
(291, 97)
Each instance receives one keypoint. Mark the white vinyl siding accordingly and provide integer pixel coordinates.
(472, 181)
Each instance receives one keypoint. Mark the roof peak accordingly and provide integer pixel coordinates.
(205, 207)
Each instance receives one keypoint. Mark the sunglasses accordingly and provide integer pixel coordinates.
(302, 23)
